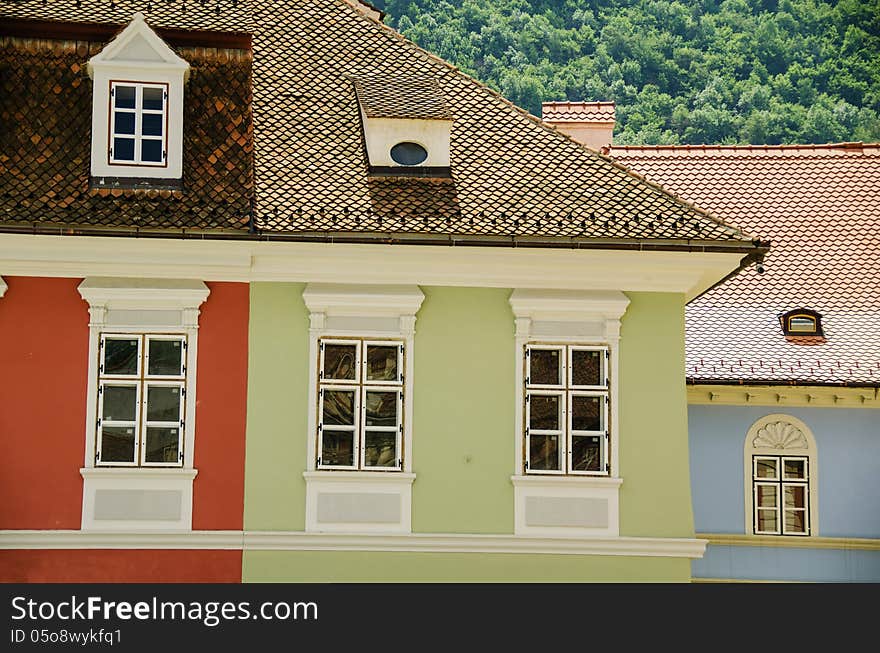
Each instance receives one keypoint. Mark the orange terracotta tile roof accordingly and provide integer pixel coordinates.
(513, 177)
(819, 205)
(578, 111)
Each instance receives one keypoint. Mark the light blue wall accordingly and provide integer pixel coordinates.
(780, 563)
(848, 443)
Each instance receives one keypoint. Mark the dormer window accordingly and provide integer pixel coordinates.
(407, 125)
(138, 124)
(801, 322)
(137, 110)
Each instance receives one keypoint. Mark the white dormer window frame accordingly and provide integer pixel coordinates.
(137, 107)
(144, 124)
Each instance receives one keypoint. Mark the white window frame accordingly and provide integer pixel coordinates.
(576, 320)
(780, 437)
(781, 482)
(567, 391)
(139, 112)
(156, 309)
(370, 315)
(137, 57)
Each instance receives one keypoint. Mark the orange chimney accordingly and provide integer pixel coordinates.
(590, 123)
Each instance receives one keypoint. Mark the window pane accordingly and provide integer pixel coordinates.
(543, 452)
(152, 124)
(380, 449)
(767, 496)
(337, 448)
(586, 367)
(339, 407)
(163, 403)
(166, 357)
(544, 412)
(151, 151)
(795, 521)
(545, 367)
(766, 468)
(120, 403)
(153, 98)
(795, 469)
(381, 408)
(382, 363)
(795, 496)
(767, 520)
(807, 324)
(587, 413)
(162, 445)
(123, 149)
(339, 361)
(585, 453)
(117, 444)
(123, 123)
(124, 96)
(121, 356)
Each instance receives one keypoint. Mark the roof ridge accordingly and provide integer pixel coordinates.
(848, 147)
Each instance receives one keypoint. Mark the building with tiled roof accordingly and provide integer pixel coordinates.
(783, 359)
(312, 304)
(820, 207)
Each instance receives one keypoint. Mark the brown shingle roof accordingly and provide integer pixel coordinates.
(819, 205)
(512, 176)
(401, 97)
(578, 111)
(215, 15)
(45, 146)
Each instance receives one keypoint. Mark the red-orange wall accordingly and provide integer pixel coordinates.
(111, 566)
(44, 349)
(221, 408)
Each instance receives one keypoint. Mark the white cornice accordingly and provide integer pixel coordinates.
(559, 305)
(487, 267)
(142, 294)
(362, 300)
(299, 541)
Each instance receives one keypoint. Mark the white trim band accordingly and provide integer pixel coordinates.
(410, 543)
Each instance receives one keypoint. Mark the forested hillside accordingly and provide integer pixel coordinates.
(737, 71)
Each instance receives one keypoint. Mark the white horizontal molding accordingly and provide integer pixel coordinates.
(779, 542)
(783, 395)
(410, 543)
(494, 267)
(362, 300)
(568, 306)
(125, 293)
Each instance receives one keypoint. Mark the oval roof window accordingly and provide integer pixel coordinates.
(408, 154)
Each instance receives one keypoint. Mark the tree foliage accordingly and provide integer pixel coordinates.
(706, 71)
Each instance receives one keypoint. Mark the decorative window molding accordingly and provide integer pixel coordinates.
(137, 108)
(133, 329)
(373, 328)
(568, 498)
(3, 287)
(780, 478)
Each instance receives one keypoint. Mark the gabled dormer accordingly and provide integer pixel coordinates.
(137, 110)
(407, 125)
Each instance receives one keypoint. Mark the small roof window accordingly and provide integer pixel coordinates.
(801, 322)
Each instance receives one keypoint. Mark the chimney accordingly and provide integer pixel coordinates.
(590, 123)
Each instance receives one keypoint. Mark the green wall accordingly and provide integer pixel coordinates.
(655, 497)
(463, 442)
(274, 488)
(463, 405)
